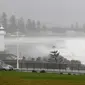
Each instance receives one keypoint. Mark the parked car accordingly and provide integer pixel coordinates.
(6, 67)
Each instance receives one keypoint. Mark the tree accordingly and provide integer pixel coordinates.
(23, 61)
(38, 26)
(33, 59)
(44, 28)
(24, 58)
(45, 59)
(77, 25)
(4, 21)
(72, 26)
(61, 60)
(13, 24)
(38, 59)
(29, 25)
(75, 64)
(33, 25)
(21, 25)
(84, 27)
(55, 54)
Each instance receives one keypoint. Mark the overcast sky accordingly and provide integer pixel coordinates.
(52, 12)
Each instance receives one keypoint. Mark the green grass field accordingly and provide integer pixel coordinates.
(26, 78)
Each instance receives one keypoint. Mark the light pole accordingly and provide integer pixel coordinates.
(17, 37)
(17, 50)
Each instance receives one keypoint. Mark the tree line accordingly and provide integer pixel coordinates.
(56, 60)
(48, 63)
(53, 60)
(13, 24)
(31, 27)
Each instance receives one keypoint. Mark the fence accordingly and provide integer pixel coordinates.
(43, 65)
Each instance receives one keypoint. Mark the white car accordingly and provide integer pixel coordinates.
(7, 67)
(4, 66)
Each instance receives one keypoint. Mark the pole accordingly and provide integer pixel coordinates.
(17, 51)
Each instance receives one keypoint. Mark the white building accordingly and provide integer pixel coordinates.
(2, 42)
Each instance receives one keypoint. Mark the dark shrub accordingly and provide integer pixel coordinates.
(61, 73)
(34, 71)
(42, 71)
(69, 73)
(74, 74)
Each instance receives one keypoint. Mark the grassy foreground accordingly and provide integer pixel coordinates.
(25, 78)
